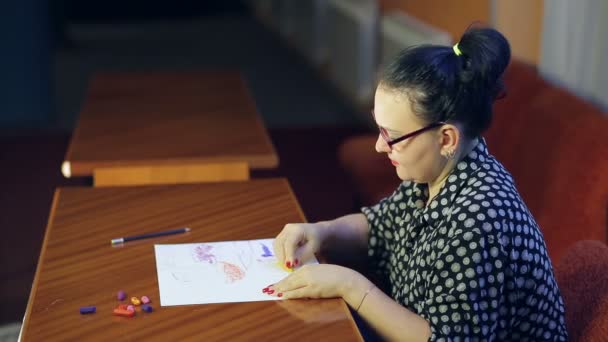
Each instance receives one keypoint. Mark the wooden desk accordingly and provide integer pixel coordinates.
(162, 122)
(78, 267)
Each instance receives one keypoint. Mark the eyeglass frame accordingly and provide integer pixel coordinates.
(390, 142)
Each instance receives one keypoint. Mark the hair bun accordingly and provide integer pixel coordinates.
(486, 54)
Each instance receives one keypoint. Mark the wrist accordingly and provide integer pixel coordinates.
(355, 288)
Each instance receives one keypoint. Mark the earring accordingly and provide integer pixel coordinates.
(449, 154)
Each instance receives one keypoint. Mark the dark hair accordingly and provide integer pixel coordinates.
(443, 86)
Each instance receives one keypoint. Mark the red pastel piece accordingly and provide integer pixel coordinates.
(123, 306)
(124, 313)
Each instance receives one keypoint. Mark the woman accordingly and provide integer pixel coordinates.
(461, 252)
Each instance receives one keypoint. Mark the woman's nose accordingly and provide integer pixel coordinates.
(381, 145)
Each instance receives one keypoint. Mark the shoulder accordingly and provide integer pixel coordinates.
(487, 196)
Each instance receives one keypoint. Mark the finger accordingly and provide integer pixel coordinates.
(301, 292)
(277, 245)
(303, 254)
(292, 242)
(289, 283)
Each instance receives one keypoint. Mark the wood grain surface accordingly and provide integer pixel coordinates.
(78, 266)
(175, 174)
(168, 118)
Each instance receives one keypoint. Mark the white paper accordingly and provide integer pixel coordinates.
(216, 272)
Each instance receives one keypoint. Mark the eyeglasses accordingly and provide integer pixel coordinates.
(390, 142)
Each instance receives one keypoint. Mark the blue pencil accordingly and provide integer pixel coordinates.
(149, 235)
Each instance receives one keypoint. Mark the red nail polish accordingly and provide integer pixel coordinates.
(280, 295)
(296, 262)
(288, 264)
(270, 292)
(264, 290)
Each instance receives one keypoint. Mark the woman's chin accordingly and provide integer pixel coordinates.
(405, 176)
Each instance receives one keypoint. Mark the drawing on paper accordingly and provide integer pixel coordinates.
(267, 252)
(232, 272)
(216, 272)
(203, 253)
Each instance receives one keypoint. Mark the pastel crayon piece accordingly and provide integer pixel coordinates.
(135, 301)
(147, 307)
(124, 313)
(131, 308)
(145, 299)
(121, 295)
(284, 268)
(123, 306)
(87, 310)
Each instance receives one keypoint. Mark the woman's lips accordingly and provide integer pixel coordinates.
(394, 162)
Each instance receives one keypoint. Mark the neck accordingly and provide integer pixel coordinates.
(437, 183)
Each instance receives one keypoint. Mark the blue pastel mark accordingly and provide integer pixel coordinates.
(267, 252)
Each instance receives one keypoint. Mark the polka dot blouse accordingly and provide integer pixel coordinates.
(473, 263)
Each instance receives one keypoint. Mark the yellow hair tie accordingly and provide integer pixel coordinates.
(456, 50)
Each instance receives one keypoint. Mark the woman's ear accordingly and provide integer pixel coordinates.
(449, 140)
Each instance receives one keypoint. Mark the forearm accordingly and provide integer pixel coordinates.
(346, 233)
(391, 320)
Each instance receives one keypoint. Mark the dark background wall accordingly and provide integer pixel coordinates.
(51, 48)
(25, 63)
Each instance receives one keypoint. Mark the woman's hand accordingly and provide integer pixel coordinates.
(298, 242)
(319, 281)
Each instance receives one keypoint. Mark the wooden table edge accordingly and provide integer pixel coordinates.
(77, 168)
(43, 249)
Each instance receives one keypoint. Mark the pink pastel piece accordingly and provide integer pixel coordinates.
(131, 308)
(145, 299)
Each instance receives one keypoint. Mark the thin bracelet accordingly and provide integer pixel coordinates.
(365, 295)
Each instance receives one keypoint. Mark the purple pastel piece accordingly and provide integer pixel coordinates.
(145, 299)
(121, 295)
(147, 307)
(87, 310)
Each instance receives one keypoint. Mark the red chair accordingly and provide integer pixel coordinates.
(583, 281)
